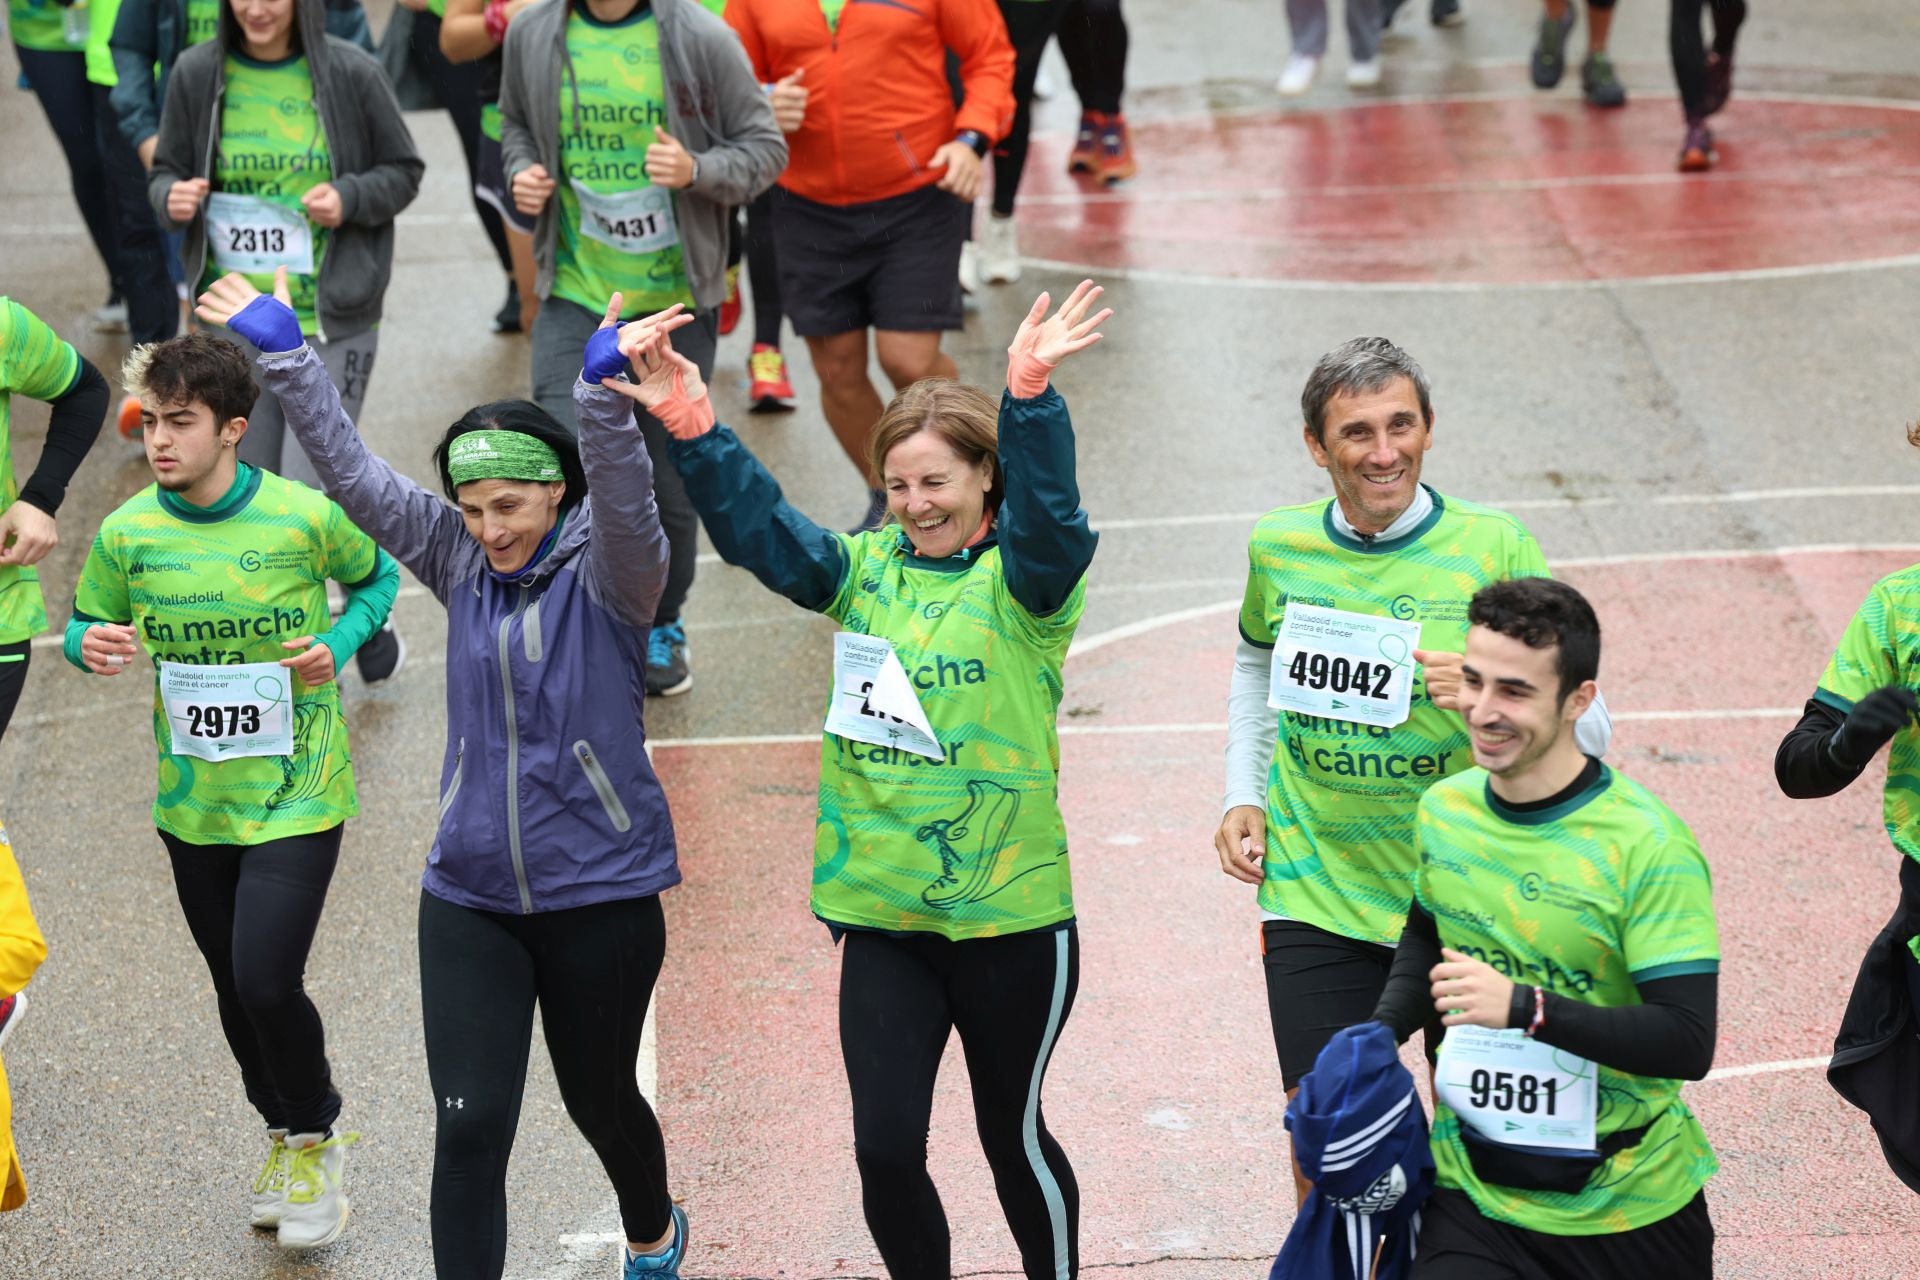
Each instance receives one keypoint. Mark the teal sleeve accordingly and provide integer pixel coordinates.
(76, 630)
(369, 601)
(753, 525)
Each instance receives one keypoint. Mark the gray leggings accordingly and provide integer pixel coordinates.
(268, 443)
(1308, 19)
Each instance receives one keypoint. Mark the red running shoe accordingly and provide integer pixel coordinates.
(1116, 151)
(1696, 153)
(730, 309)
(1085, 157)
(769, 391)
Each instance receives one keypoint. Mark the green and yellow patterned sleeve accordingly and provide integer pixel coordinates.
(1254, 625)
(99, 596)
(1866, 658)
(1670, 930)
(33, 359)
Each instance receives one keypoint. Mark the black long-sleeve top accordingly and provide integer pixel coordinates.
(77, 415)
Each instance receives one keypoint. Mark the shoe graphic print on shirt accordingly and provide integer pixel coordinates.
(969, 846)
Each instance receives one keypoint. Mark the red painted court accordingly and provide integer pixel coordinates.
(1508, 189)
(1164, 1088)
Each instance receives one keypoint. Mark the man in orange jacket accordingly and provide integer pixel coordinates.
(877, 197)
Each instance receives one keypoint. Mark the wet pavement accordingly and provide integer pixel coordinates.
(1666, 439)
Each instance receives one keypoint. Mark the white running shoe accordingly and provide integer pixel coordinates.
(999, 251)
(969, 267)
(1297, 76)
(1363, 75)
(270, 1188)
(316, 1209)
(111, 318)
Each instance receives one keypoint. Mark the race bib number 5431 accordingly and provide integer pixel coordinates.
(1343, 666)
(224, 713)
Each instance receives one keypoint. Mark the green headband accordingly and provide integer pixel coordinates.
(501, 455)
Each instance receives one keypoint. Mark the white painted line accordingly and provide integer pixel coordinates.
(1734, 713)
(1765, 1068)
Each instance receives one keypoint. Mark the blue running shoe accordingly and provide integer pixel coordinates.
(667, 672)
(660, 1266)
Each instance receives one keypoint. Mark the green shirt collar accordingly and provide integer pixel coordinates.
(1584, 791)
(246, 483)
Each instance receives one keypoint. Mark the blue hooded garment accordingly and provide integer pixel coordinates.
(1360, 1133)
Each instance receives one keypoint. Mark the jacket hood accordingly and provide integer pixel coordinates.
(309, 29)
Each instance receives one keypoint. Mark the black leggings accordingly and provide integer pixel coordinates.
(14, 660)
(1690, 51)
(1030, 24)
(457, 85)
(763, 270)
(252, 910)
(1093, 40)
(591, 971)
(1008, 997)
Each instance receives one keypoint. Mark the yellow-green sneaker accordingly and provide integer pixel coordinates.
(316, 1209)
(270, 1188)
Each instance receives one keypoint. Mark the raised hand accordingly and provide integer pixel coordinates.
(1045, 340)
(272, 328)
(670, 386)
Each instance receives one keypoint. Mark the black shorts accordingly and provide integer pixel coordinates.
(1317, 983)
(892, 264)
(1458, 1243)
(490, 184)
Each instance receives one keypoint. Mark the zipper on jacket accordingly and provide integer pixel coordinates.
(602, 787)
(513, 756)
(453, 787)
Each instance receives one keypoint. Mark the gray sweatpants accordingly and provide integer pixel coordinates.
(268, 443)
(1308, 18)
(560, 335)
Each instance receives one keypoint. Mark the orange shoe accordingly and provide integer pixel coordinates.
(130, 428)
(1115, 158)
(1085, 157)
(730, 309)
(768, 389)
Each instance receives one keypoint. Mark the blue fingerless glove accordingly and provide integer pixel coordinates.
(603, 358)
(269, 324)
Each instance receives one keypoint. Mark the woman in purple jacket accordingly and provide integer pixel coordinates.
(543, 883)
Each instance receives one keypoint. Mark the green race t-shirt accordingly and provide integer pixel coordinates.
(36, 363)
(1341, 796)
(46, 26)
(272, 147)
(1587, 899)
(226, 585)
(627, 237)
(1881, 647)
(203, 22)
(972, 845)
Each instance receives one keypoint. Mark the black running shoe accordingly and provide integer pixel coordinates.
(381, 657)
(667, 672)
(507, 318)
(1550, 51)
(1600, 85)
(876, 512)
(1446, 13)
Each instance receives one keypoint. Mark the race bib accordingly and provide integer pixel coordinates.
(630, 221)
(254, 235)
(1343, 666)
(873, 701)
(224, 713)
(1513, 1090)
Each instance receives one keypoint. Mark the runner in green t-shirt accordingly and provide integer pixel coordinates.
(1321, 795)
(1563, 928)
(939, 852)
(34, 362)
(218, 573)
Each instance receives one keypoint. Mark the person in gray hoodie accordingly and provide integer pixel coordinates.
(629, 131)
(283, 146)
(543, 884)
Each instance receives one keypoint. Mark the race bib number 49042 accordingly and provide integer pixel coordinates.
(224, 713)
(1514, 1090)
(1343, 666)
(253, 235)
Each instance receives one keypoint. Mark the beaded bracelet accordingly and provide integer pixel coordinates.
(1539, 1011)
(495, 16)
